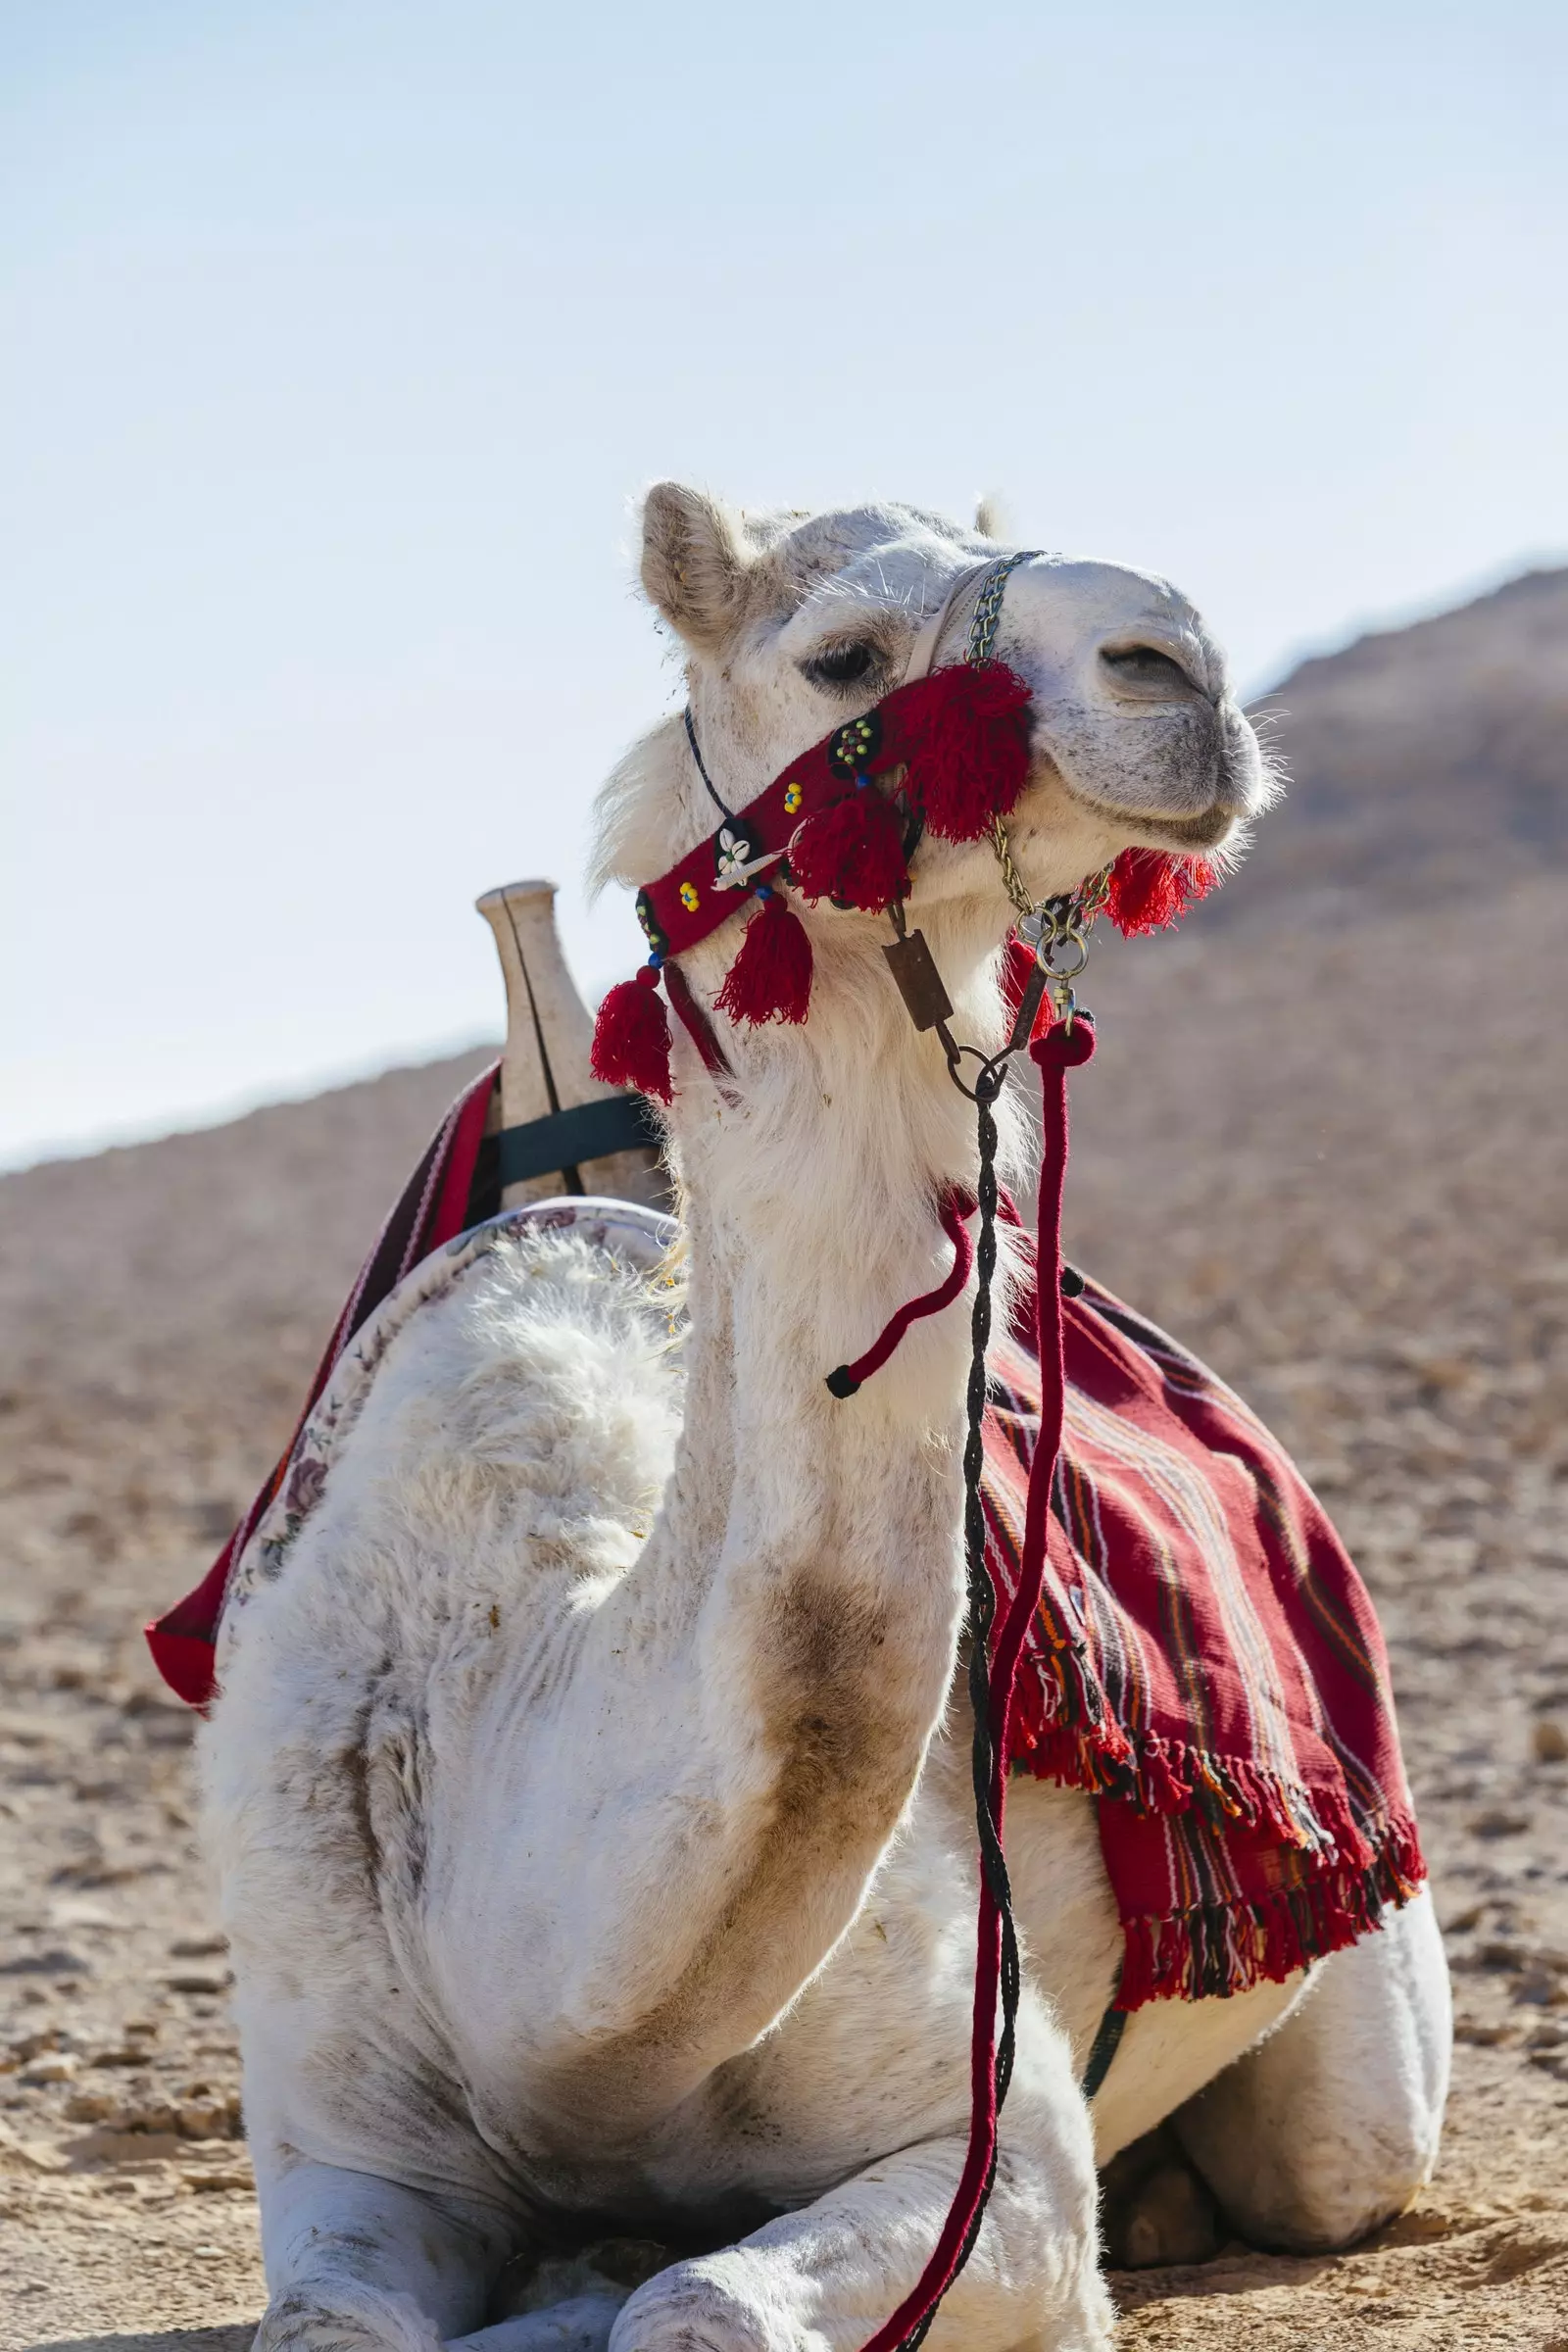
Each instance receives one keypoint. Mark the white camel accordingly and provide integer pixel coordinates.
(591, 1797)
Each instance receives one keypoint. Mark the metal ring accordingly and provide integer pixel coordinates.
(1063, 943)
(995, 1064)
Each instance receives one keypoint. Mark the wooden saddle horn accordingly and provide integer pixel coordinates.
(560, 1130)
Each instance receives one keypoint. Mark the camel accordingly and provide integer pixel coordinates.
(590, 1800)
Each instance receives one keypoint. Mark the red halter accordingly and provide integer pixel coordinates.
(955, 744)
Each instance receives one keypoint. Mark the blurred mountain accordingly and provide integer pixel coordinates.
(1424, 764)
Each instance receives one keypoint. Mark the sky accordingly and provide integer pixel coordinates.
(338, 339)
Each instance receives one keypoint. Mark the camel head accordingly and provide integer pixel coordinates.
(792, 624)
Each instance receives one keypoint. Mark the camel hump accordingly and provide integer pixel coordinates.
(545, 1072)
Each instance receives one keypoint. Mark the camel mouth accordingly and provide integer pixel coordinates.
(1208, 830)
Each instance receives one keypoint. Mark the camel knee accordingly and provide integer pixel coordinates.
(717, 2303)
(345, 2317)
(1324, 2192)
(361, 2264)
(1331, 2125)
(579, 2323)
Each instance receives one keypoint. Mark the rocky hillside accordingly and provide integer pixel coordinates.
(1426, 765)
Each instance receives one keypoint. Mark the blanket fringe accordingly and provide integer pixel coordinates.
(1221, 1948)
(1155, 1775)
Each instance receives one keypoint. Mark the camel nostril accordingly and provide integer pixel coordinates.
(1150, 668)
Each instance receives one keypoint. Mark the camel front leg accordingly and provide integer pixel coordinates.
(825, 2279)
(359, 2263)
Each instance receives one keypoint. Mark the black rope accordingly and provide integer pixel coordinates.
(713, 789)
(982, 1609)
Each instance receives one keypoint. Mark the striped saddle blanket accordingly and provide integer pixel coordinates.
(1205, 1661)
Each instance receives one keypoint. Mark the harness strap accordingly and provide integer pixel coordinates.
(564, 1139)
(1103, 2049)
(924, 652)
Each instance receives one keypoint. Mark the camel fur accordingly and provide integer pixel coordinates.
(590, 1799)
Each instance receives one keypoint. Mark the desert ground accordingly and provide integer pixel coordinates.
(1327, 1156)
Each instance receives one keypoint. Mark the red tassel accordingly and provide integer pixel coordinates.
(631, 1037)
(770, 979)
(851, 852)
(973, 756)
(1149, 890)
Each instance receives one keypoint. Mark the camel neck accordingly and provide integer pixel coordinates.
(813, 1187)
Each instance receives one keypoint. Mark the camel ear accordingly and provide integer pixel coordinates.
(990, 517)
(693, 563)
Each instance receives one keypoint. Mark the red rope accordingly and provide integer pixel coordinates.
(952, 1208)
(1055, 1052)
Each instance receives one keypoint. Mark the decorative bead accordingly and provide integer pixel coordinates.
(689, 897)
(855, 744)
(650, 923)
(792, 798)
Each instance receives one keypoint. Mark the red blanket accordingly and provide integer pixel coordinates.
(1205, 1659)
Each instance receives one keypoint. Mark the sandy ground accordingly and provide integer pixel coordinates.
(1333, 1163)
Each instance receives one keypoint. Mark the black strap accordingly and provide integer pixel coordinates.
(563, 1139)
(1103, 2049)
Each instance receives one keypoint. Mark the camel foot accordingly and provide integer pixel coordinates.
(1155, 2211)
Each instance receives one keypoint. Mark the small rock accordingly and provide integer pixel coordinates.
(58, 2066)
(1550, 1742)
(56, 1962)
(198, 1947)
(30, 2044)
(75, 1911)
(1497, 1821)
(202, 2119)
(1540, 1990)
(198, 1979)
(90, 2106)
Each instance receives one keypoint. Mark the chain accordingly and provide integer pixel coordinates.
(1011, 880)
(987, 604)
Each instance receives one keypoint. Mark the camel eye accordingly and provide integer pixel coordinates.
(839, 664)
(1145, 666)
